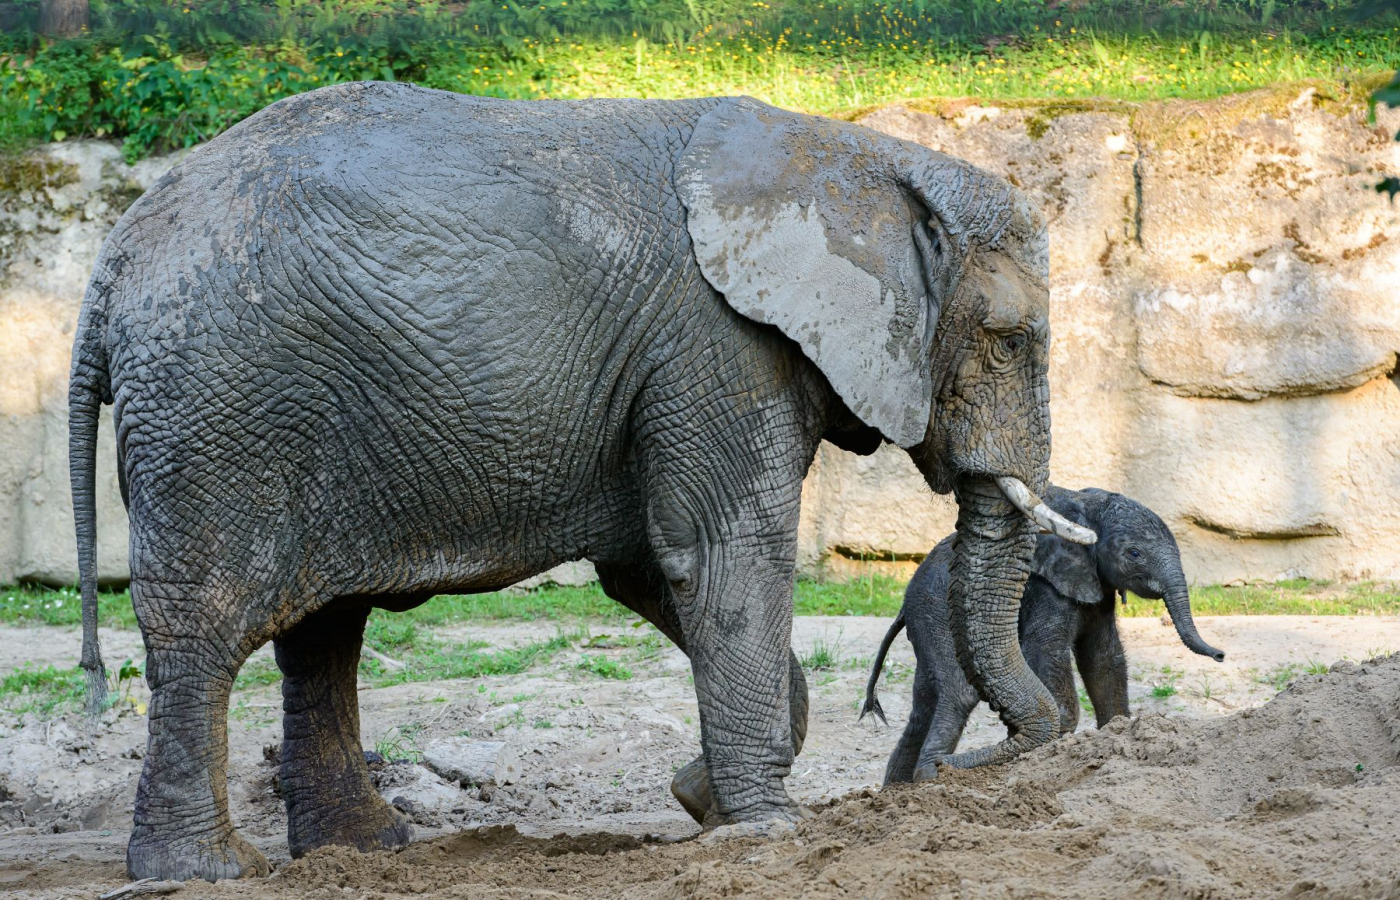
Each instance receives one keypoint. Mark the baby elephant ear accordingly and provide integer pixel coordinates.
(1071, 569)
(804, 224)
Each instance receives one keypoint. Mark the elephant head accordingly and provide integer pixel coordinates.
(917, 284)
(1135, 552)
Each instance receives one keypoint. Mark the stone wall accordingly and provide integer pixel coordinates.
(1225, 308)
(55, 210)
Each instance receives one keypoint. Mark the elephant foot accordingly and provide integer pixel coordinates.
(194, 857)
(925, 773)
(761, 815)
(376, 826)
(691, 788)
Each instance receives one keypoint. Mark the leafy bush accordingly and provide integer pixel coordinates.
(164, 75)
(401, 23)
(160, 100)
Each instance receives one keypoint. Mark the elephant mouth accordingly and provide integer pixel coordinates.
(1034, 508)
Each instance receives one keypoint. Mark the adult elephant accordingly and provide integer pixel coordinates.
(379, 342)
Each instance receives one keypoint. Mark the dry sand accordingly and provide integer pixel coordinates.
(1205, 794)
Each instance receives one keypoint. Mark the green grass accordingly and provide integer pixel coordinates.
(1280, 676)
(403, 636)
(848, 72)
(33, 604)
(156, 96)
(825, 655)
(603, 667)
(401, 742)
(431, 660)
(1164, 684)
(875, 595)
(42, 690)
(47, 689)
(425, 658)
(257, 673)
(871, 595)
(1299, 597)
(553, 602)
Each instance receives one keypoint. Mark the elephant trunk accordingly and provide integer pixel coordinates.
(991, 562)
(1178, 601)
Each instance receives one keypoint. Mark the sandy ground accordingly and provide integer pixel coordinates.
(1181, 801)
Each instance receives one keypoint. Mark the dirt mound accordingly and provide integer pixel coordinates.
(1323, 731)
(1299, 798)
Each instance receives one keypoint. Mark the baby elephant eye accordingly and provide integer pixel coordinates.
(1135, 553)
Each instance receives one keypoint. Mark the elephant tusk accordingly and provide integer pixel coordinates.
(1042, 515)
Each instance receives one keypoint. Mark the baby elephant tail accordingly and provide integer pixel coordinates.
(872, 704)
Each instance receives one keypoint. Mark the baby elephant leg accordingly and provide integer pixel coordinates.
(955, 704)
(1103, 666)
(1049, 656)
(905, 757)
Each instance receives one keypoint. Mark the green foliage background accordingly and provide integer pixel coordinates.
(162, 74)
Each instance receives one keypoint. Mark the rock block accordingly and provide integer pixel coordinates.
(473, 762)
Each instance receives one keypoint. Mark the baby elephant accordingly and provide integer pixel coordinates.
(1067, 609)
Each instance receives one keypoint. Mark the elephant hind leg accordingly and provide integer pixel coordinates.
(325, 782)
(949, 719)
(182, 830)
(900, 769)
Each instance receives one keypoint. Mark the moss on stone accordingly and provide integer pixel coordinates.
(31, 172)
(119, 190)
(1163, 124)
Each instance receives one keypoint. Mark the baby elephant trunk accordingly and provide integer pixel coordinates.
(1178, 601)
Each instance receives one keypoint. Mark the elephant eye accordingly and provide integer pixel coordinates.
(1008, 347)
(1135, 553)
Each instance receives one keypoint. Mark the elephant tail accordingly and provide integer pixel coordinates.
(89, 385)
(872, 703)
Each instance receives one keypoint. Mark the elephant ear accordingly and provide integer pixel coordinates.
(809, 225)
(1071, 569)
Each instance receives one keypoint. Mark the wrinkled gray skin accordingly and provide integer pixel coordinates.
(1066, 619)
(378, 342)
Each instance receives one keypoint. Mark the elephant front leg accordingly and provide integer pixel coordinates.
(1047, 652)
(643, 590)
(182, 828)
(691, 785)
(325, 782)
(737, 616)
(1103, 665)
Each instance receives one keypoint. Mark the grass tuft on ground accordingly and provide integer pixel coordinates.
(42, 690)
